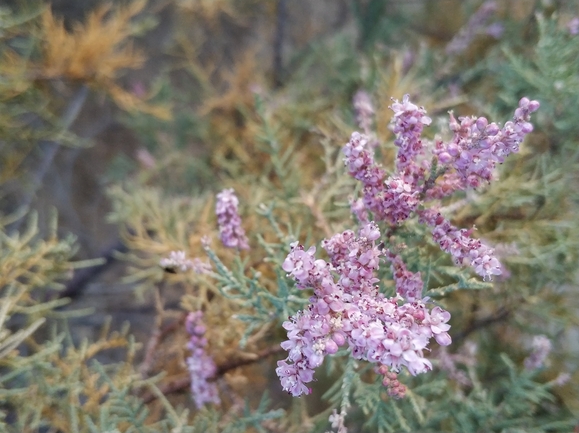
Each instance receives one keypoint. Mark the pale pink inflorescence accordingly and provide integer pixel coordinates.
(476, 25)
(562, 379)
(573, 26)
(408, 284)
(408, 123)
(449, 362)
(458, 243)
(230, 231)
(347, 307)
(364, 110)
(178, 261)
(468, 160)
(359, 210)
(200, 365)
(478, 145)
(391, 199)
(351, 311)
(338, 420)
(541, 347)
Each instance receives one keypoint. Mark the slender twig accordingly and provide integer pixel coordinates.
(175, 385)
(501, 315)
(84, 276)
(321, 221)
(182, 383)
(235, 363)
(147, 363)
(158, 334)
(69, 116)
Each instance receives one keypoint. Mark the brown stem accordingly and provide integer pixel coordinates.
(182, 383)
(435, 173)
(158, 334)
(235, 363)
(51, 148)
(310, 201)
(501, 314)
(83, 277)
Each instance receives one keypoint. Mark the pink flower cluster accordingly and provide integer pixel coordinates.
(200, 364)
(352, 311)
(478, 145)
(408, 284)
(230, 231)
(573, 26)
(468, 160)
(541, 347)
(476, 25)
(408, 122)
(178, 261)
(347, 307)
(364, 110)
(449, 362)
(462, 248)
(390, 199)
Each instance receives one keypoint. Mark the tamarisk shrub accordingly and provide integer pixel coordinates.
(347, 307)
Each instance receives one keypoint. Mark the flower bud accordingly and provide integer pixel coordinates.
(524, 102)
(339, 338)
(331, 346)
(444, 158)
(481, 123)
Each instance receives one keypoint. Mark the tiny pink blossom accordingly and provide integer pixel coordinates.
(230, 231)
(359, 210)
(178, 261)
(408, 284)
(364, 110)
(541, 347)
(395, 389)
(200, 364)
(463, 248)
(407, 124)
(476, 25)
(573, 26)
(438, 325)
(562, 379)
(449, 362)
(478, 145)
(337, 420)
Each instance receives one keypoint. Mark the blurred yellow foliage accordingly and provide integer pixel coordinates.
(94, 53)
